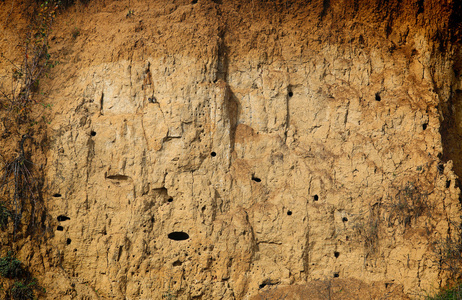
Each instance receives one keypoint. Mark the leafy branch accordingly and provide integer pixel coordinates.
(18, 96)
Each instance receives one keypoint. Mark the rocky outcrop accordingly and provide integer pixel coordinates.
(223, 150)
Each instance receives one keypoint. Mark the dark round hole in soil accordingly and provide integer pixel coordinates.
(336, 275)
(170, 200)
(213, 154)
(377, 97)
(62, 218)
(93, 133)
(336, 254)
(68, 241)
(193, 1)
(256, 179)
(448, 183)
(291, 94)
(177, 263)
(289, 213)
(57, 195)
(315, 197)
(345, 219)
(178, 236)
(60, 228)
(424, 126)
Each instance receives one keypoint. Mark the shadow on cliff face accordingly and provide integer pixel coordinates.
(451, 131)
(451, 127)
(333, 289)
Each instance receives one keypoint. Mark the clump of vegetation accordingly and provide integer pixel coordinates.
(23, 291)
(448, 254)
(21, 189)
(408, 204)
(75, 32)
(453, 293)
(22, 286)
(11, 267)
(18, 96)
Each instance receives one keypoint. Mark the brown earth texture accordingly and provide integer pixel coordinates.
(253, 149)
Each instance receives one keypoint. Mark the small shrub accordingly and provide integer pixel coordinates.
(448, 254)
(10, 267)
(75, 32)
(409, 204)
(23, 291)
(454, 293)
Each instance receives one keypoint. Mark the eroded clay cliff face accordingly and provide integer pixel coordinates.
(291, 142)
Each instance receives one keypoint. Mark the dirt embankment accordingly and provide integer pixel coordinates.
(237, 149)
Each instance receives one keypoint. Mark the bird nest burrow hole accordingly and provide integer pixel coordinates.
(62, 218)
(178, 236)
